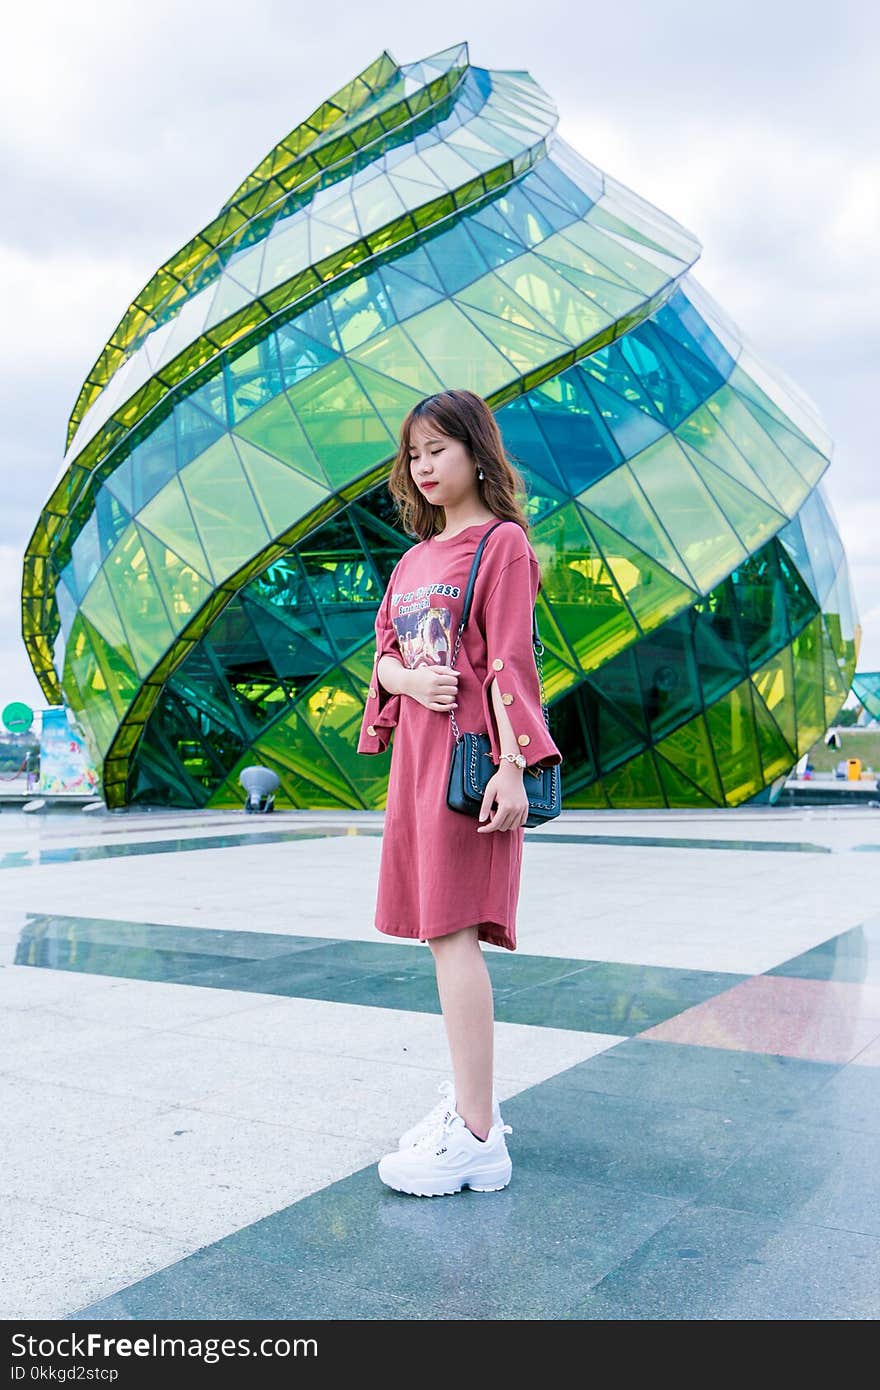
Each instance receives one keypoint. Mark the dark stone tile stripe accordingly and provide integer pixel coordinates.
(548, 991)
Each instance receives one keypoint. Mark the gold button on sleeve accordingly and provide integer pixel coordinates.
(371, 730)
(507, 699)
(498, 664)
(373, 692)
(523, 739)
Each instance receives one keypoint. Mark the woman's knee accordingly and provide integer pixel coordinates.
(466, 938)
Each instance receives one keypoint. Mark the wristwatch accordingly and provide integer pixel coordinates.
(516, 758)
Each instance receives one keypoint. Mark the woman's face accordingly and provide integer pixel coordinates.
(446, 463)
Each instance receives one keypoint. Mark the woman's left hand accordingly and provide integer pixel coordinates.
(506, 787)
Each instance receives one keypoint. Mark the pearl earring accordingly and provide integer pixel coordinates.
(481, 475)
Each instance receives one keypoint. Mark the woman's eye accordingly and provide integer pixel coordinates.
(434, 452)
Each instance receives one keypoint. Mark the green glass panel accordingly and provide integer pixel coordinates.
(458, 352)
(702, 432)
(490, 295)
(732, 731)
(745, 381)
(752, 520)
(651, 593)
(120, 679)
(391, 399)
(618, 500)
(776, 757)
(774, 682)
(82, 666)
(636, 784)
(579, 586)
(782, 481)
(605, 252)
(807, 460)
(168, 516)
(139, 602)
(678, 789)
(591, 798)
(292, 743)
(100, 609)
(523, 347)
(575, 317)
(283, 494)
(689, 749)
(835, 687)
(670, 678)
(618, 684)
(226, 514)
(615, 739)
(183, 588)
(276, 430)
(613, 299)
(700, 533)
(806, 654)
(340, 422)
(393, 353)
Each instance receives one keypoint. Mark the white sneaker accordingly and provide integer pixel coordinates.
(448, 1157)
(442, 1108)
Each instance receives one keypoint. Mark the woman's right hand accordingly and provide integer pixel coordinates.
(435, 687)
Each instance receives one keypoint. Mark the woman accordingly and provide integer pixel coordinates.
(444, 877)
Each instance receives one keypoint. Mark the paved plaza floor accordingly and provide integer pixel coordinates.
(207, 1046)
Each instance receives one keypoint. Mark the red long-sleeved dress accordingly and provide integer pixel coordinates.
(437, 874)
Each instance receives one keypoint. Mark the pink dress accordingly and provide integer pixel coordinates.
(437, 874)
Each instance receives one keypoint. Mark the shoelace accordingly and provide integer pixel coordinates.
(433, 1137)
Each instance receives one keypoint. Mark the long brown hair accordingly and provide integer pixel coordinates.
(464, 416)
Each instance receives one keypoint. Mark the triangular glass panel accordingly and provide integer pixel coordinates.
(169, 518)
(284, 495)
(620, 502)
(652, 594)
(689, 749)
(732, 731)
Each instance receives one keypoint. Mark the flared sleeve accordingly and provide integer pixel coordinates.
(382, 709)
(510, 655)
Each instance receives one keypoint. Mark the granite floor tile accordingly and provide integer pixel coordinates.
(733, 1082)
(808, 1173)
(713, 1264)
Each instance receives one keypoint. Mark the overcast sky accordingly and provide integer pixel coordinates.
(125, 127)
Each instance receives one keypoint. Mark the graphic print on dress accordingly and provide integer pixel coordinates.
(423, 626)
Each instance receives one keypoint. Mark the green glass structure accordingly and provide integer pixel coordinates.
(202, 583)
(866, 687)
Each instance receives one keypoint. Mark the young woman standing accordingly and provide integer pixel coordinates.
(446, 878)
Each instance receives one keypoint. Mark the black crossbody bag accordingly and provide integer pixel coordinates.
(472, 765)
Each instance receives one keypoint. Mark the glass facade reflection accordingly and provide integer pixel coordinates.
(203, 581)
(866, 686)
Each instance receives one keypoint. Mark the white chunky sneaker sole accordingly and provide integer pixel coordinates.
(489, 1180)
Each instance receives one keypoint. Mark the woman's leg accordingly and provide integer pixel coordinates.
(465, 991)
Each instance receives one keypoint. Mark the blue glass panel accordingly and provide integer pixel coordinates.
(529, 225)
(406, 295)
(524, 441)
(86, 558)
(693, 366)
(817, 545)
(583, 448)
(561, 187)
(300, 354)
(112, 520)
(645, 353)
(68, 602)
(252, 379)
(211, 398)
(457, 259)
(195, 431)
(792, 538)
(417, 264)
(490, 219)
(549, 213)
(632, 428)
(150, 467)
(680, 320)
